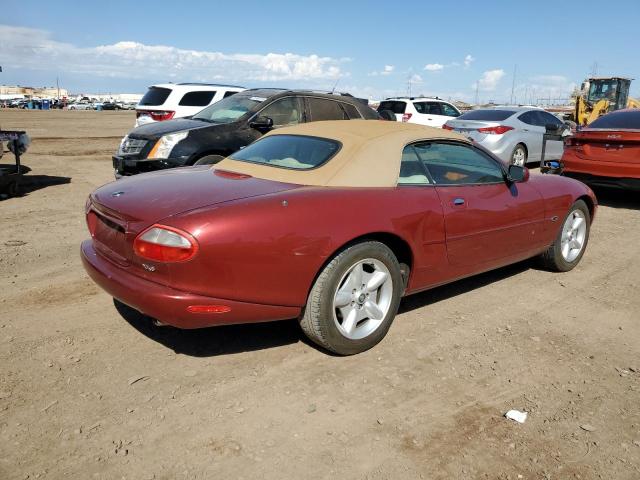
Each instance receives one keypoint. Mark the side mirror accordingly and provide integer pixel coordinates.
(262, 123)
(517, 174)
(553, 129)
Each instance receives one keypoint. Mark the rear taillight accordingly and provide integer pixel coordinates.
(499, 130)
(447, 127)
(572, 142)
(157, 115)
(406, 117)
(165, 244)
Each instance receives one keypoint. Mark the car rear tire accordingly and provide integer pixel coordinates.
(354, 299)
(519, 155)
(209, 160)
(568, 248)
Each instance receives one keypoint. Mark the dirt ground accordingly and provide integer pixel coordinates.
(90, 390)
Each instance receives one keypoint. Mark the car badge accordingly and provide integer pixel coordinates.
(117, 194)
(614, 136)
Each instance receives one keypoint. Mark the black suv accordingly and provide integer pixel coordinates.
(227, 126)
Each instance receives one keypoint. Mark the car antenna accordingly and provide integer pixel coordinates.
(335, 85)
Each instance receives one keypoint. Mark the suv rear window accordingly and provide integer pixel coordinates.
(489, 115)
(197, 99)
(296, 152)
(621, 120)
(155, 96)
(393, 105)
(351, 110)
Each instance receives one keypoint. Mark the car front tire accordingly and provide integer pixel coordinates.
(569, 246)
(354, 299)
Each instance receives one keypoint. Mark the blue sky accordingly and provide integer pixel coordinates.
(373, 49)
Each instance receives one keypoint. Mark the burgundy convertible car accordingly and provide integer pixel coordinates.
(328, 222)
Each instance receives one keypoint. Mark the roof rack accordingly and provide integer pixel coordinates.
(209, 84)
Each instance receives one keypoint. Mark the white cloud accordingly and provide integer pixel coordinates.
(27, 48)
(415, 78)
(468, 60)
(433, 67)
(387, 70)
(489, 80)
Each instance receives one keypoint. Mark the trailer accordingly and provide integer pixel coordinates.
(10, 174)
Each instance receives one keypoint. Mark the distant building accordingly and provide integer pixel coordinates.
(16, 91)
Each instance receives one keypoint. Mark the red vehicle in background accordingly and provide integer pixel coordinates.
(606, 152)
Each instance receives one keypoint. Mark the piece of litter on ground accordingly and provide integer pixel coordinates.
(133, 380)
(587, 428)
(516, 415)
(49, 405)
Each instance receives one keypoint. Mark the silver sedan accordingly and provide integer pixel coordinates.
(514, 134)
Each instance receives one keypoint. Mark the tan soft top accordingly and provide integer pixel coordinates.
(370, 154)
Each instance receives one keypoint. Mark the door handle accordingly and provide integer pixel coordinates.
(458, 201)
(525, 129)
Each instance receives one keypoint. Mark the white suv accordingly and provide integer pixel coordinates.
(174, 100)
(432, 112)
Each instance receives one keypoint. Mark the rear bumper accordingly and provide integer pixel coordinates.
(599, 181)
(169, 305)
(597, 172)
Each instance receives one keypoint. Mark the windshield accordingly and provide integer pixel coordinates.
(229, 109)
(603, 89)
(289, 151)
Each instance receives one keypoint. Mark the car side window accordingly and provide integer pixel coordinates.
(350, 110)
(434, 108)
(324, 109)
(285, 111)
(197, 99)
(456, 164)
(449, 111)
(412, 171)
(528, 118)
(546, 119)
(229, 93)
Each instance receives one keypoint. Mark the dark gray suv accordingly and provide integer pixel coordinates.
(229, 125)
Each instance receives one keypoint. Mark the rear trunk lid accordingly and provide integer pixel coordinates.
(621, 146)
(469, 128)
(117, 212)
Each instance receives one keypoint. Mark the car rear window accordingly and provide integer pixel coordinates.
(296, 152)
(351, 110)
(487, 115)
(393, 105)
(618, 120)
(155, 96)
(197, 99)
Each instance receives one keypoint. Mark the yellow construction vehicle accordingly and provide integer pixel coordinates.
(600, 95)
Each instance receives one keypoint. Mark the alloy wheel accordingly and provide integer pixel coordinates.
(363, 298)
